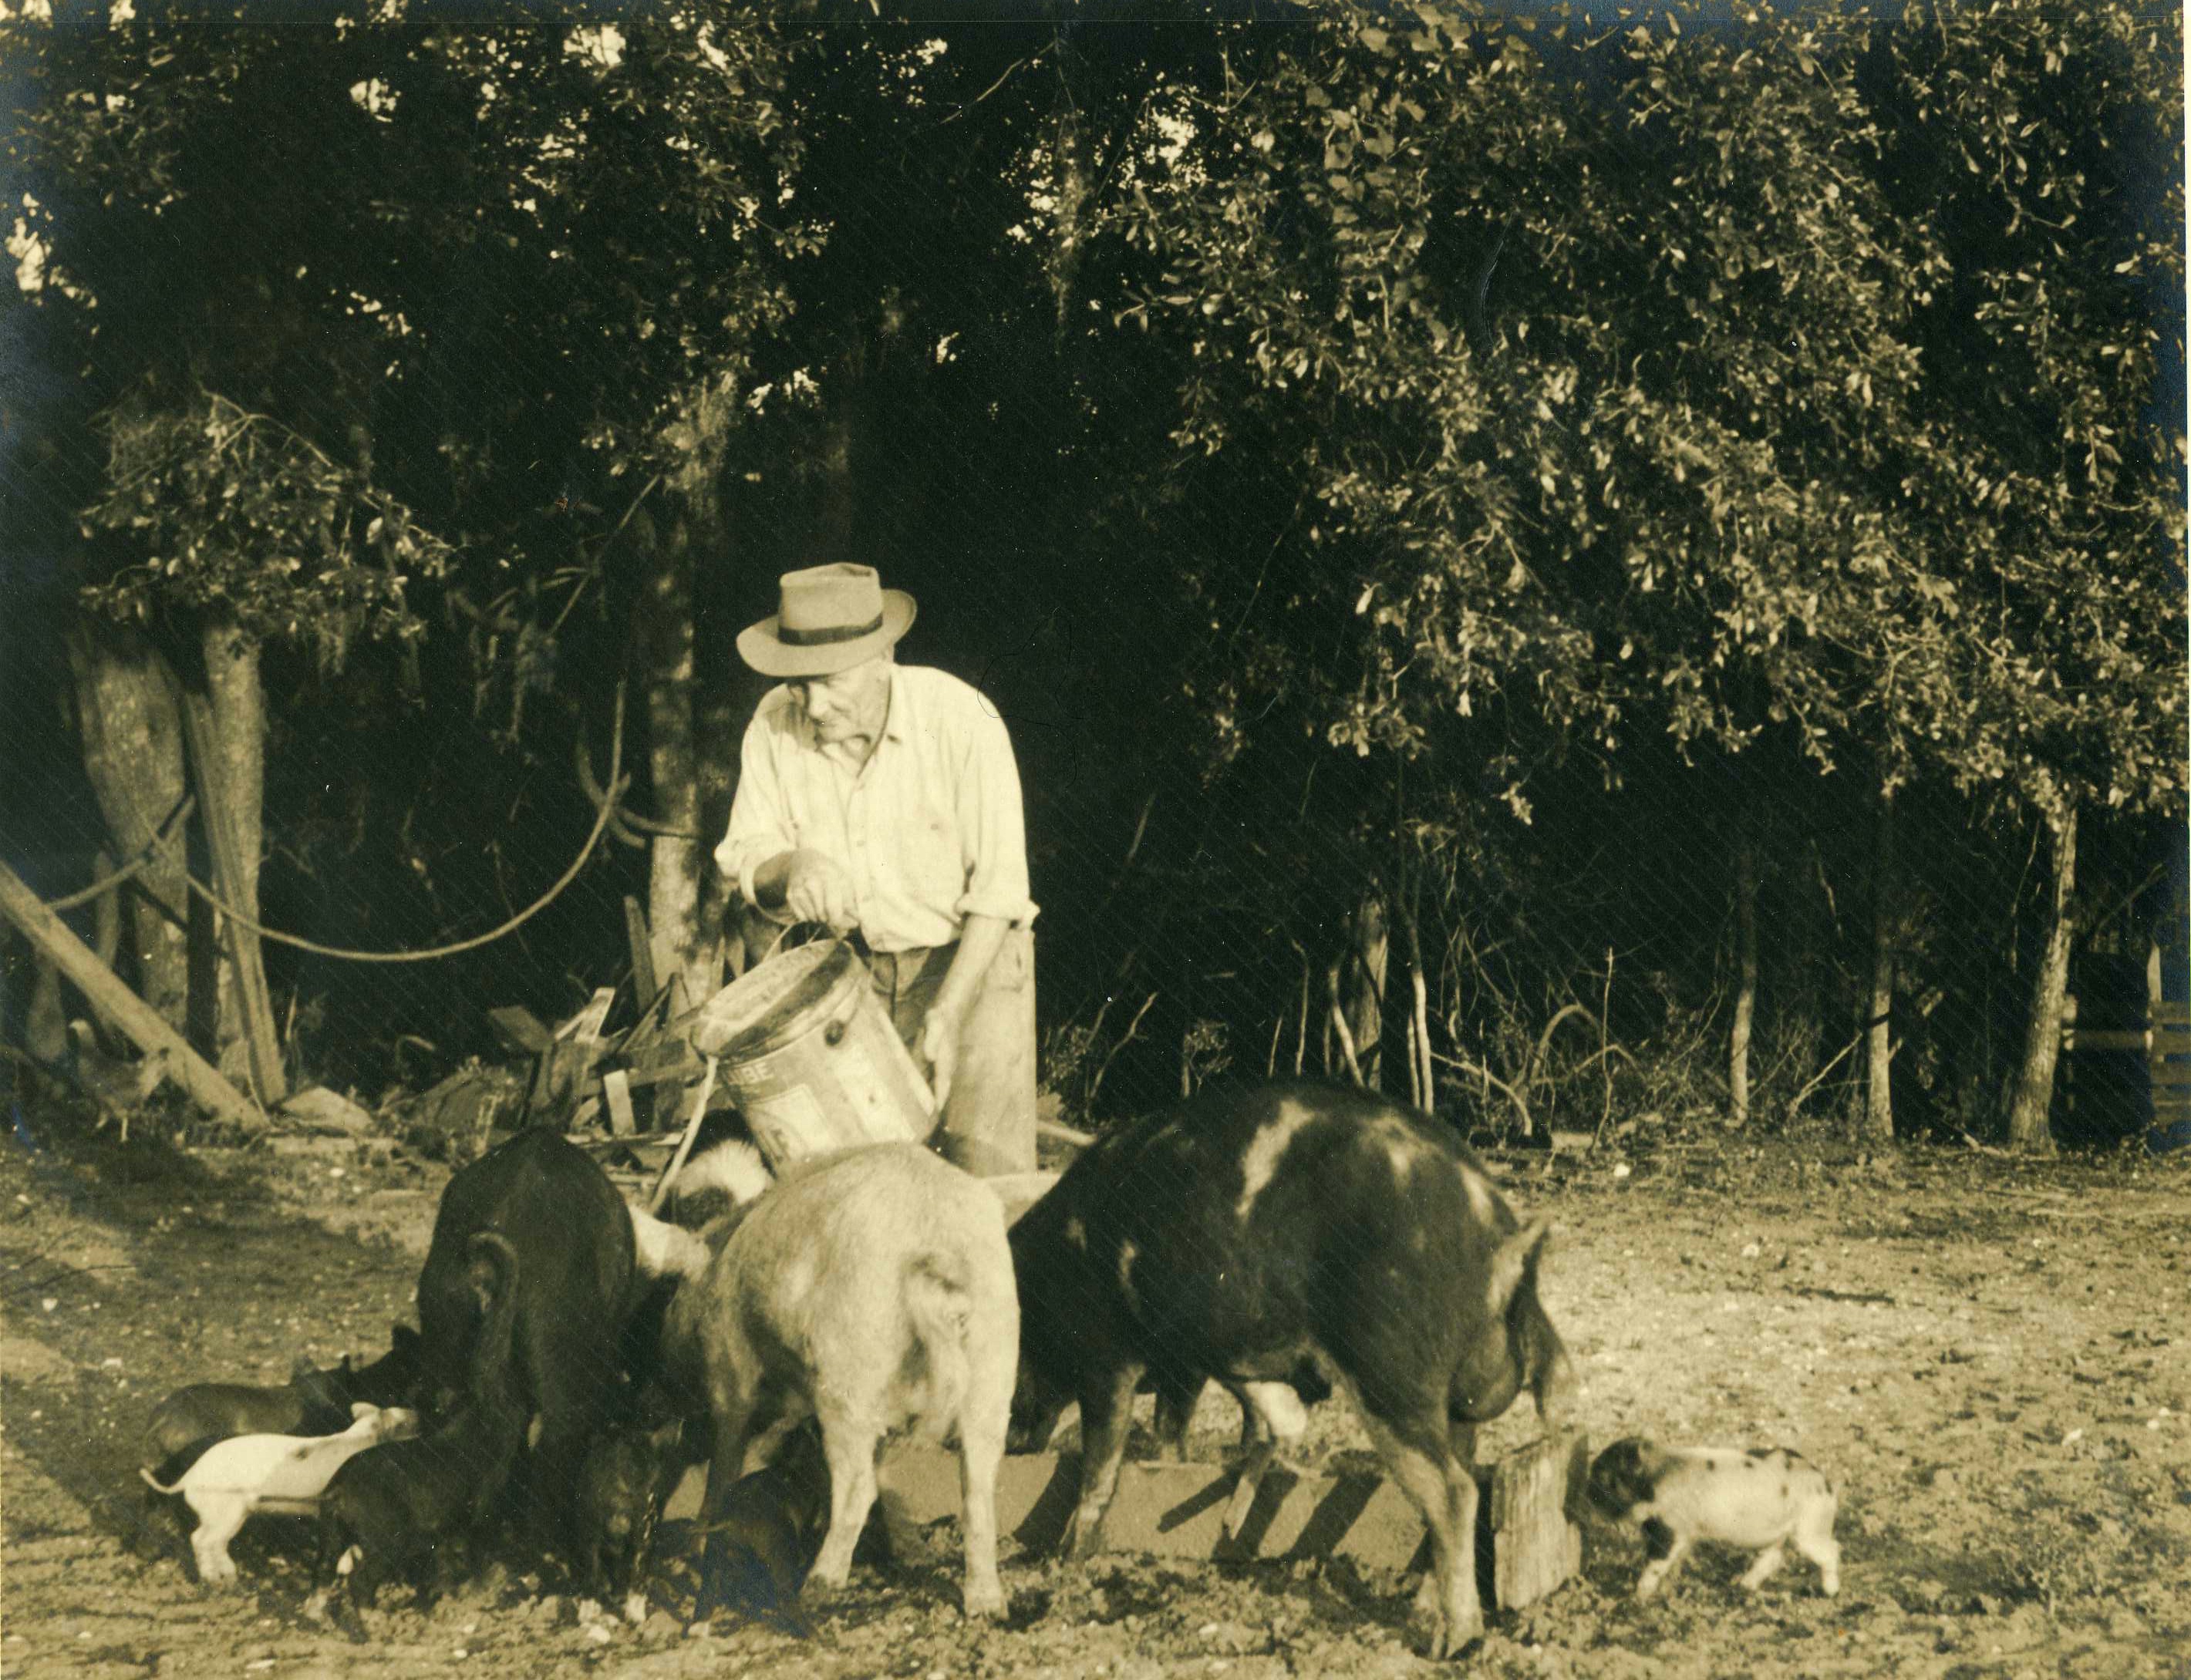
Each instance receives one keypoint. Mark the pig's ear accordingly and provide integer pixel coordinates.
(1515, 1261)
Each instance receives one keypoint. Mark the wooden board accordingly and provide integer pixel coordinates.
(616, 1087)
(130, 1014)
(226, 847)
(1177, 1511)
(643, 983)
(520, 1029)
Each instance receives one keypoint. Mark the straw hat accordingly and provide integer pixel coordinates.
(828, 619)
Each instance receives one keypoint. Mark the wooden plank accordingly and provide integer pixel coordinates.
(520, 1029)
(2083, 1038)
(676, 1164)
(1537, 1546)
(686, 1067)
(643, 983)
(584, 1028)
(616, 1086)
(565, 1063)
(1177, 1511)
(129, 1013)
(228, 871)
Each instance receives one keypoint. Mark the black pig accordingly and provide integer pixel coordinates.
(619, 1500)
(402, 1510)
(771, 1527)
(576, 1285)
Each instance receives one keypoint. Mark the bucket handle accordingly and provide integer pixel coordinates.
(785, 931)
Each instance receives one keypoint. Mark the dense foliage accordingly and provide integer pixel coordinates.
(1416, 474)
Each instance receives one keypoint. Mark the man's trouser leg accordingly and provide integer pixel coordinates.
(988, 1118)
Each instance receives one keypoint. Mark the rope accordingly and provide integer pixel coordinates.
(135, 867)
(605, 809)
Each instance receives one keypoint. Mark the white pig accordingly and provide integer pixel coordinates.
(283, 1475)
(1761, 1501)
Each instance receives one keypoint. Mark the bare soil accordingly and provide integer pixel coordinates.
(1993, 1359)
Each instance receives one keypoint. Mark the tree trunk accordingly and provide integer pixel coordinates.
(1746, 996)
(1419, 1077)
(682, 950)
(131, 737)
(234, 797)
(687, 943)
(2032, 1095)
(1069, 174)
(1878, 1123)
(718, 734)
(1369, 956)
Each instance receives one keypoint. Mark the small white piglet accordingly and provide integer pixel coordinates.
(283, 1475)
(1761, 1501)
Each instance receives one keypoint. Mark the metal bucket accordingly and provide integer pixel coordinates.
(811, 1056)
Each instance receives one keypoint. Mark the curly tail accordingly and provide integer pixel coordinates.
(156, 1485)
(938, 1309)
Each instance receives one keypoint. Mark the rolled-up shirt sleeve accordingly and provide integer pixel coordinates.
(991, 826)
(760, 824)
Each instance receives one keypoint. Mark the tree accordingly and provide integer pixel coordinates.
(2033, 138)
(583, 285)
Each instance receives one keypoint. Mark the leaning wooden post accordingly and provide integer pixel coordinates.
(51, 937)
(228, 875)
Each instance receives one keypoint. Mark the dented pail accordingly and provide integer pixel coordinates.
(810, 1054)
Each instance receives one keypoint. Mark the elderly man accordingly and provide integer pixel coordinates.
(883, 800)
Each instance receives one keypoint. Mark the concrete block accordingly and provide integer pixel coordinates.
(1523, 1531)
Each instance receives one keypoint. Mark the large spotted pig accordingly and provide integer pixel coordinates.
(1261, 1235)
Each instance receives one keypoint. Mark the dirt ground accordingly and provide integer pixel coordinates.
(1994, 1359)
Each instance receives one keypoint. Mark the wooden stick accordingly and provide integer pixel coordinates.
(1422, 1022)
(1521, 1107)
(51, 937)
(685, 1143)
(1064, 1133)
(1346, 1034)
(229, 865)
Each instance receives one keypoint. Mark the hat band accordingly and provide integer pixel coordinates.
(828, 632)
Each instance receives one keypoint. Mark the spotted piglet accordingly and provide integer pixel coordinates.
(1757, 1499)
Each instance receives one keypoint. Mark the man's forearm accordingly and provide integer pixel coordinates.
(979, 939)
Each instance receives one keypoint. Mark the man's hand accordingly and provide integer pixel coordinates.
(816, 889)
(939, 1048)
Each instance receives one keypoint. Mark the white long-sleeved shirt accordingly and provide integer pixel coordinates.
(929, 828)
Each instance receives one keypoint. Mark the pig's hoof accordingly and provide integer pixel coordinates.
(635, 1608)
(1429, 1600)
(1236, 1511)
(986, 1603)
(1443, 1637)
(822, 1585)
(1083, 1536)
